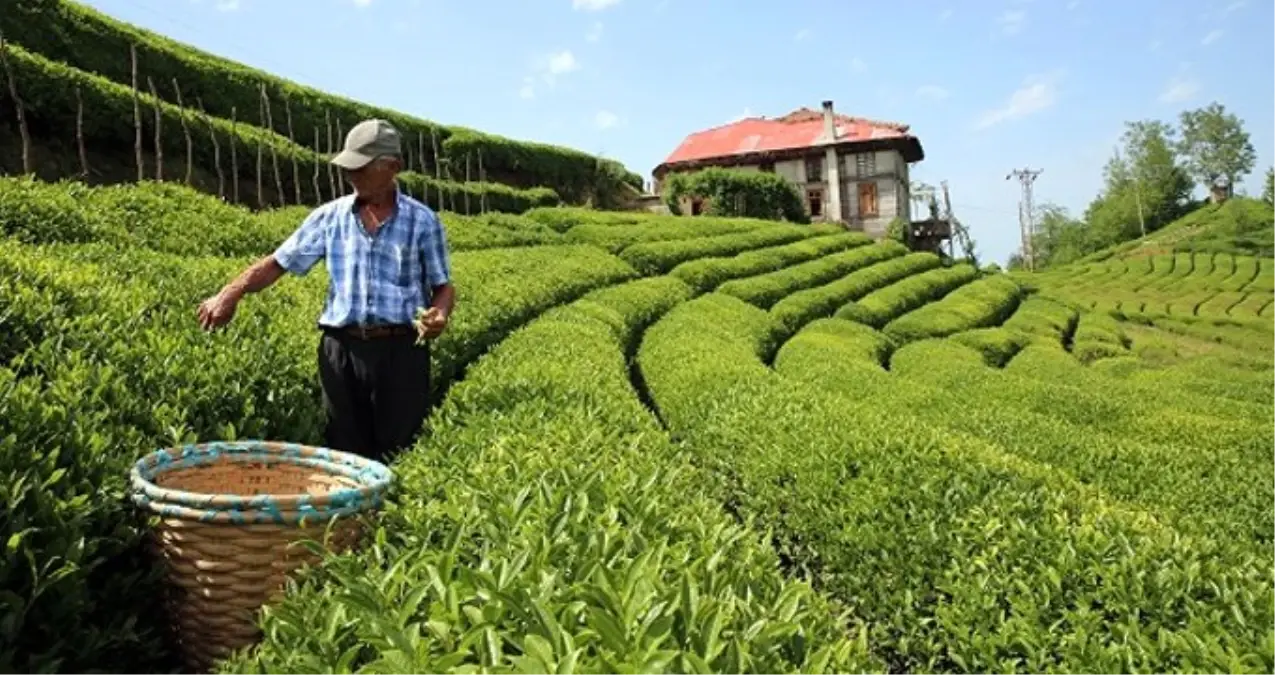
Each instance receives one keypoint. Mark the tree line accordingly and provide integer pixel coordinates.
(1149, 182)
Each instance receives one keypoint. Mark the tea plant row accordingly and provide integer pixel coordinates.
(956, 552)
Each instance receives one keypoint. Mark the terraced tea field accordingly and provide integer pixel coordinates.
(666, 444)
(1209, 285)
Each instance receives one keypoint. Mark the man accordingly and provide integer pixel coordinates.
(382, 249)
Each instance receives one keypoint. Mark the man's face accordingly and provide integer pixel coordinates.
(373, 178)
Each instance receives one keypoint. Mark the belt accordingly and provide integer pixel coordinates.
(377, 331)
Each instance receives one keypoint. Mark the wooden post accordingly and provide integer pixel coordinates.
(340, 135)
(79, 133)
(407, 156)
(296, 177)
(318, 193)
(420, 153)
(234, 159)
(137, 116)
(482, 178)
(212, 132)
(17, 104)
(261, 115)
(274, 155)
(438, 166)
(438, 171)
(327, 119)
(467, 211)
(159, 130)
(190, 145)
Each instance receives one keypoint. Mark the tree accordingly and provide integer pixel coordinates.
(1059, 238)
(732, 192)
(1215, 145)
(1268, 191)
(1161, 188)
(1144, 189)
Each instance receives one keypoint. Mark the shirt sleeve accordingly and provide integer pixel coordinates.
(305, 247)
(437, 259)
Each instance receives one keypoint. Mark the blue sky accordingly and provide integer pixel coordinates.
(987, 85)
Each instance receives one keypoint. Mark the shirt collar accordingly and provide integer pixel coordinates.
(356, 202)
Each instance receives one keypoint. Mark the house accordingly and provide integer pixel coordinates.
(849, 170)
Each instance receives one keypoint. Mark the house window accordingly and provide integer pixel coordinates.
(815, 198)
(868, 200)
(697, 206)
(768, 167)
(814, 169)
(865, 164)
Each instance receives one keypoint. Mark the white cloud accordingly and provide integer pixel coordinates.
(1211, 37)
(802, 34)
(227, 5)
(932, 92)
(548, 69)
(857, 65)
(362, 3)
(945, 15)
(1038, 93)
(1180, 89)
(1216, 11)
(593, 5)
(528, 88)
(561, 63)
(748, 112)
(1011, 21)
(1073, 4)
(605, 119)
(595, 32)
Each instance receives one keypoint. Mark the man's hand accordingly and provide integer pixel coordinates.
(217, 311)
(430, 323)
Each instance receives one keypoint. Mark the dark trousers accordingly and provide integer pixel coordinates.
(375, 392)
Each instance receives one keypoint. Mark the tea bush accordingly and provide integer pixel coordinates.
(656, 447)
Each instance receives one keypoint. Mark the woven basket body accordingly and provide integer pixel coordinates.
(230, 516)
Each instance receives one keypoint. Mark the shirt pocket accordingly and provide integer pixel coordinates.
(400, 265)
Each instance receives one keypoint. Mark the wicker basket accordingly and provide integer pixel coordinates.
(230, 516)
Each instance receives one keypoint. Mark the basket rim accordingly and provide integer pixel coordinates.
(373, 476)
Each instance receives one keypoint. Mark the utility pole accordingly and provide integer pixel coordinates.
(1025, 216)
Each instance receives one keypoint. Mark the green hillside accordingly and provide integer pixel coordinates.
(664, 444)
(1210, 268)
(64, 44)
(1239, 226)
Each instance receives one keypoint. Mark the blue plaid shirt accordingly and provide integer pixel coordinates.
(375, 279)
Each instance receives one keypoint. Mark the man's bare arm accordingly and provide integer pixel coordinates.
(258, 277)
(444, 298)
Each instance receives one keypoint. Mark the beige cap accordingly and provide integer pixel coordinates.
(368, 140)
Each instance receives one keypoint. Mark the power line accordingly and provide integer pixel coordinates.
(1026, 177)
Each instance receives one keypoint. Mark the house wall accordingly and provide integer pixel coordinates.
(888, 171)
(884, 168)
(792, 169)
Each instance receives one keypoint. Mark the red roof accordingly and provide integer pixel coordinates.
(801, 128)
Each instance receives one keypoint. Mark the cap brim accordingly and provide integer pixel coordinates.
(347, 159)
